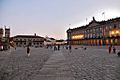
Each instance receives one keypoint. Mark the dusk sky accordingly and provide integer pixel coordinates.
(52, 17)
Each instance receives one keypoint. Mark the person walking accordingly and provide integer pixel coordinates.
(109, 49)
(28, 51)
(114, 50)
(70, 48)
(58, 47)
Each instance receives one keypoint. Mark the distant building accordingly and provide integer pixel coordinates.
(4, 40)
(52, 41)
(60, 42)
(29, 40)
(1, 37)
(96, 33)
(49, 41)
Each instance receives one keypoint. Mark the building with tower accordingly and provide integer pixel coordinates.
(4, 38)
(1, 37)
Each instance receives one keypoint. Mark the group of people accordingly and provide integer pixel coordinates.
(112, 48)
(58, 47)
(55, 47)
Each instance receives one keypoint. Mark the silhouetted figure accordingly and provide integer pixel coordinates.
(114, 50)
(58, 47)
(70, 48)
(28, 51)
(85, 48)
(109, 49)
(15, 48)
(67, 47)
(55, 48)
(118, 53)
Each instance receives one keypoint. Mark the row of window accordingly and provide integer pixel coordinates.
(100, 29)
(27, 43)
(97, 42)
(28, 39)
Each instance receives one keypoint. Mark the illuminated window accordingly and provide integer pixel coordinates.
(107, 41)
(117, 32)
(112, 32)
(77, 37)
(111, 41)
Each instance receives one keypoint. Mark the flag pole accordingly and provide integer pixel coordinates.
(69, 26)
(103, 15)
(86, 21)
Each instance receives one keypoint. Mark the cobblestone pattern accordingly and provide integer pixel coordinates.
(93, 64)
(55, 68)
(16, 65)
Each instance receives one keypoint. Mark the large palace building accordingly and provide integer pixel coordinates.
(96, 33)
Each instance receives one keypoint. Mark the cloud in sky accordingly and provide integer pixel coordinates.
(52, 17)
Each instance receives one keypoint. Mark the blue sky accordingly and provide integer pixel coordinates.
(52, 17)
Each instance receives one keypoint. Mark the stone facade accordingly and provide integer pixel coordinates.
(1, 36)
(4, 40)
(96, 33)
(28, 40)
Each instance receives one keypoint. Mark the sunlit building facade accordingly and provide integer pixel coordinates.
(28, 40)
(96, 33)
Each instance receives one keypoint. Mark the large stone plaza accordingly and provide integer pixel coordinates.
(47, 64)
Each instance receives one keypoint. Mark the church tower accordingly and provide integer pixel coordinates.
(1, 36)
(6, 45)
(1, 33)
(7, 32)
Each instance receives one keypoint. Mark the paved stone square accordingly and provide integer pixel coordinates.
(16, 65)
(46, 64)
(93, 64)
